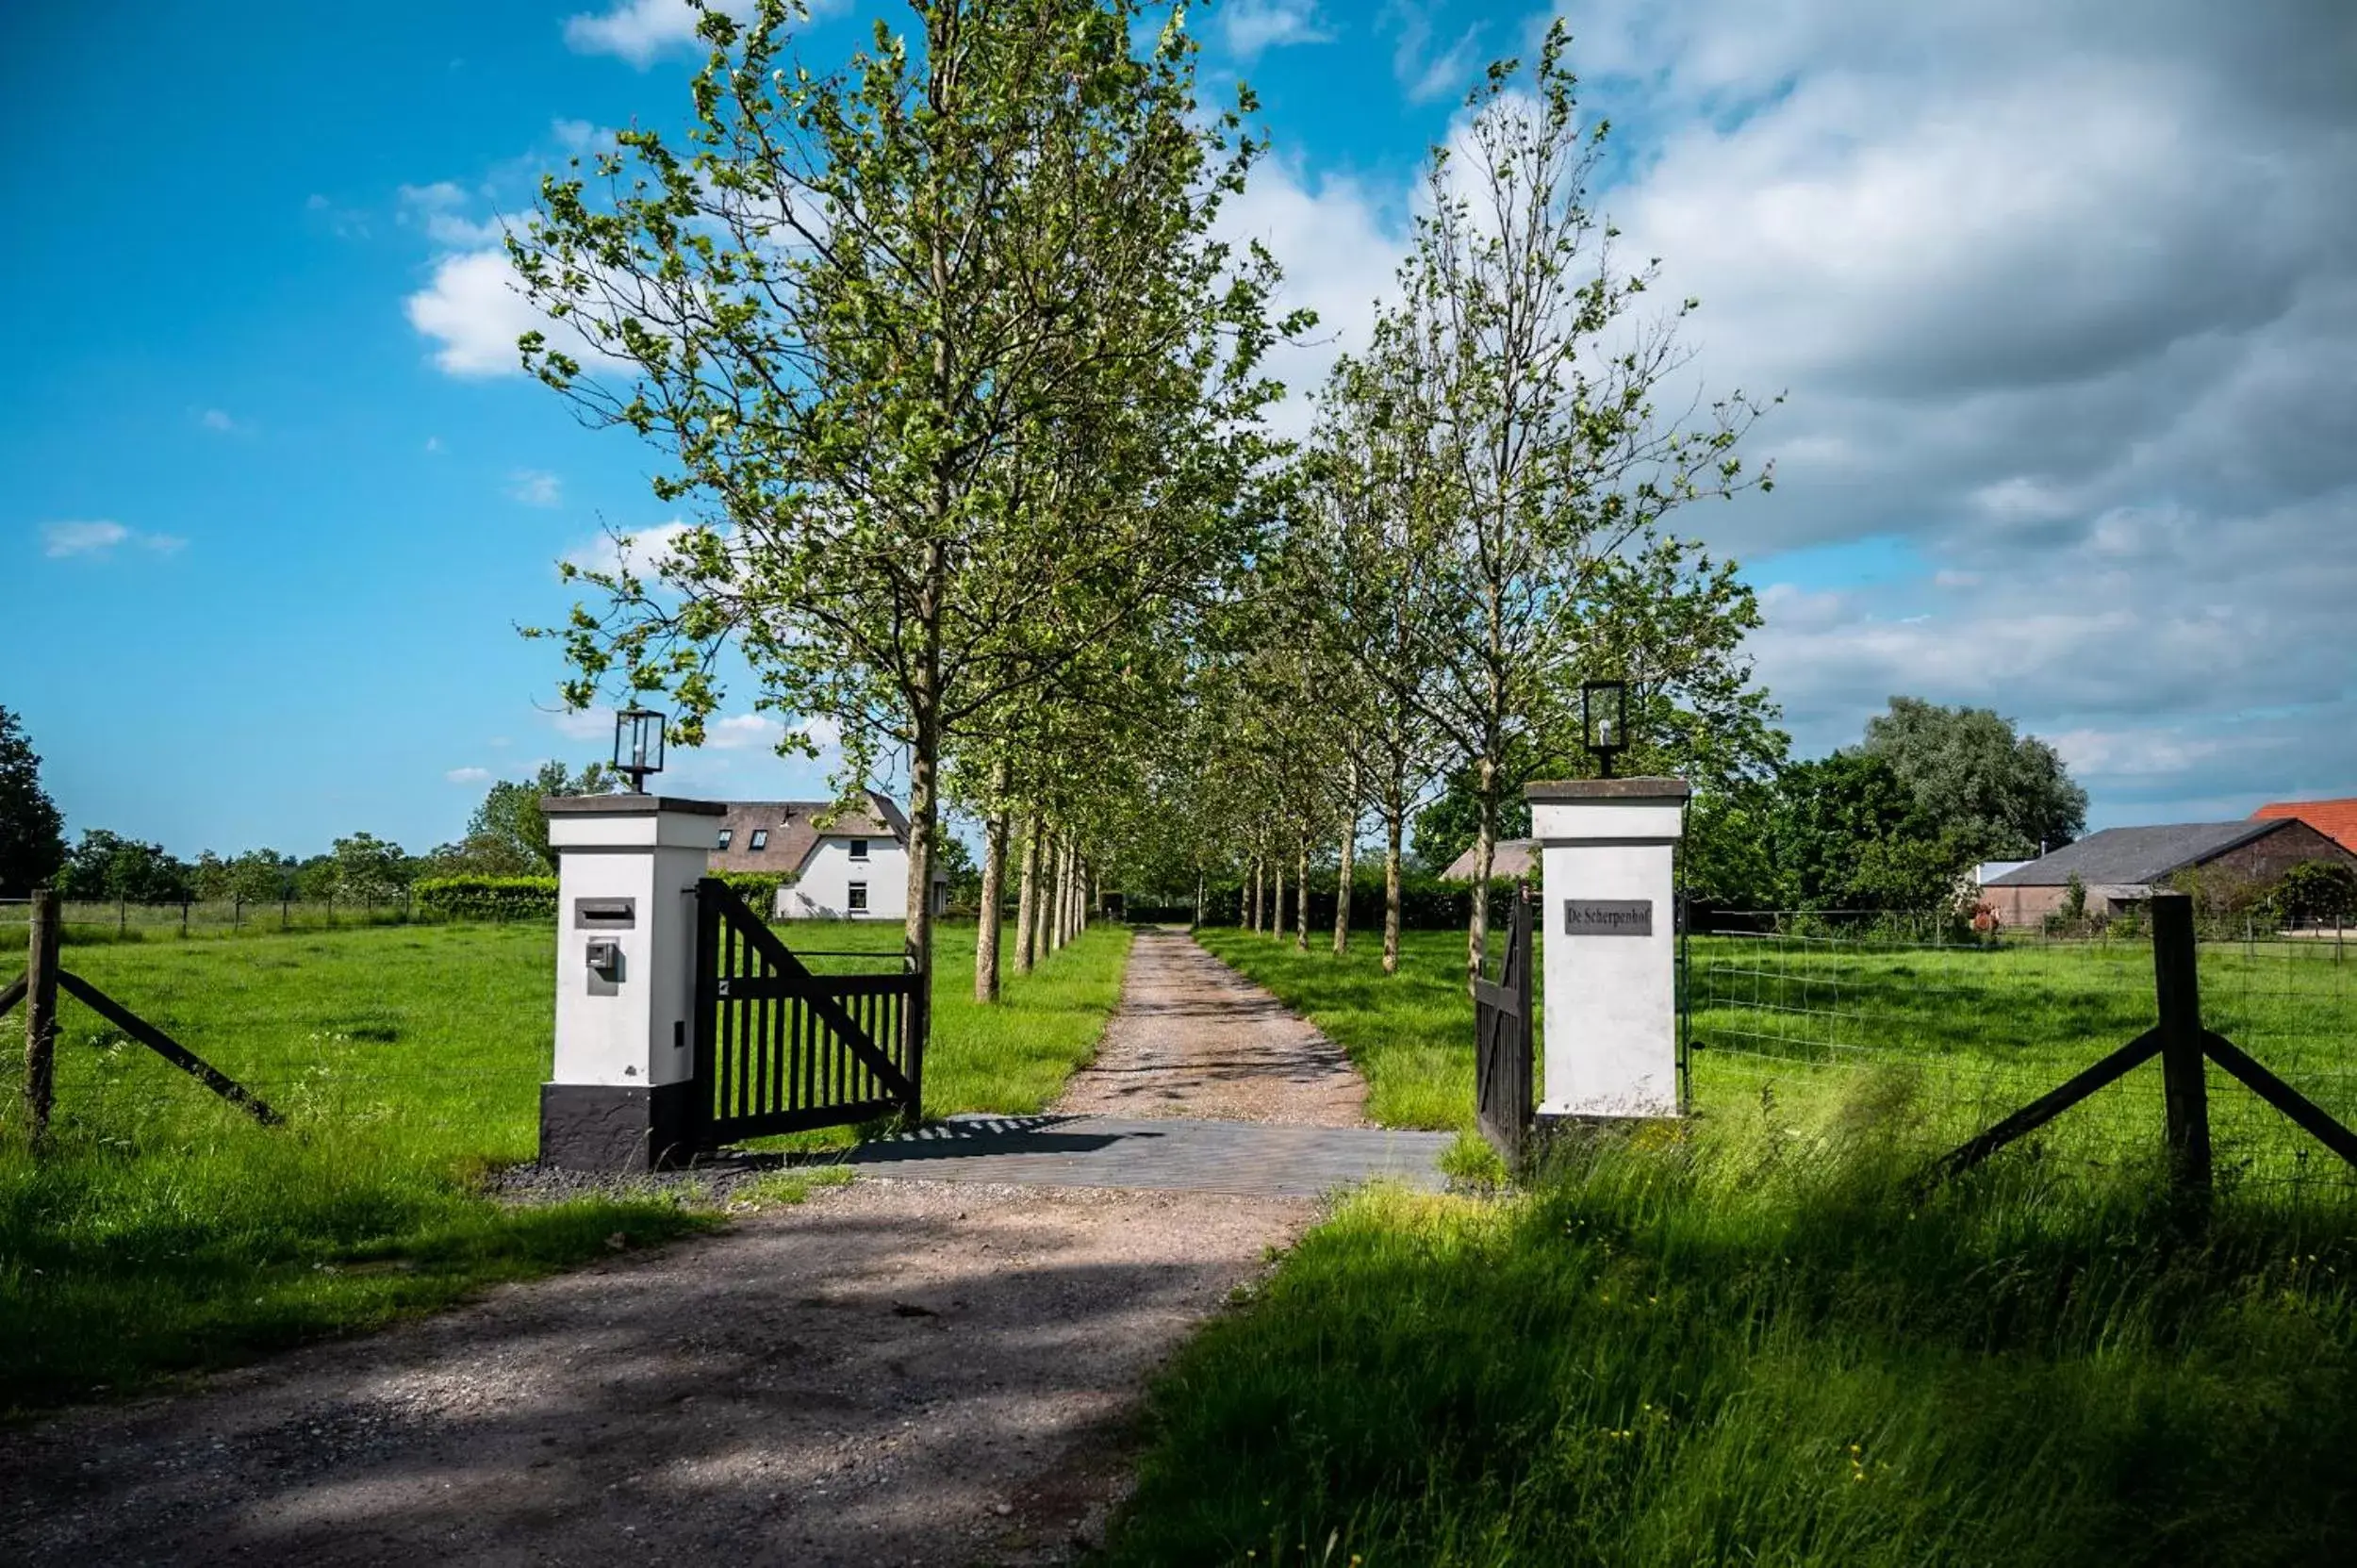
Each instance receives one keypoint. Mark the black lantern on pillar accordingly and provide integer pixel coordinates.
(637, 745)
(1603, 721)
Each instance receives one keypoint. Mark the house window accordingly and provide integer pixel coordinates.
(859, 848)
(857, 899)
(727, 833)
(761, 839)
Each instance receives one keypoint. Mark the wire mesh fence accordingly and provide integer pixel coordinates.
(123, 920)
(1965, 1031)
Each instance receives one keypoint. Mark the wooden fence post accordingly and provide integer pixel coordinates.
(40, 1016)
(2177, 984)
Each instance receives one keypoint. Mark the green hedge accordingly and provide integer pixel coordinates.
(759, 889)
(488, 897)
(535, 898)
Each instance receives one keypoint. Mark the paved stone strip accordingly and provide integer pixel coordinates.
(1169, 1154)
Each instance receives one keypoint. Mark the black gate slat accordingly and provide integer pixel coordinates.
(781, 1049)
(728, 1023)
(763, 1071)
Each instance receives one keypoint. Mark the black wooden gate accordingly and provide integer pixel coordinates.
(781, 1050)
(1503, 1103)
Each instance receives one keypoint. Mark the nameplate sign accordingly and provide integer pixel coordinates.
(1607, 916)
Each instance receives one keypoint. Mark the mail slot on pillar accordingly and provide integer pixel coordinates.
(1607, 868)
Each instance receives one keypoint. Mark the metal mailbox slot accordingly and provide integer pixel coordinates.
(606, 914)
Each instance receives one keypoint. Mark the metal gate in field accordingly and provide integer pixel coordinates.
(781, 1049)
(1503, 1101)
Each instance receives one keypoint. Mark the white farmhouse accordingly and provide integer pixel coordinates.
(853, 867)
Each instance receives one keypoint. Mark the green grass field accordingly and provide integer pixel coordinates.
(169, 1232)
(1986, 1030)
(1748, 1340)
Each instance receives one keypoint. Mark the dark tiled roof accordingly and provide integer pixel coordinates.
(2128, 856)
(2335, 819)
(794, 830)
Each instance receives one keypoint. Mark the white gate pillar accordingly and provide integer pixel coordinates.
(621, 1094)
(1608, 930)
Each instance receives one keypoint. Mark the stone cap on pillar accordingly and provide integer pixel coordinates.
(631, 822)
(1572, 810)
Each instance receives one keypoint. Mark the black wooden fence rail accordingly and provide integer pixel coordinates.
(38, 985)
(2183, 1046)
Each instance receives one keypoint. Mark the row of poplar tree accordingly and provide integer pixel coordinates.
(950, 355)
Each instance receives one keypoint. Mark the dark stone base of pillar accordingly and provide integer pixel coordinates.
(616, 1128)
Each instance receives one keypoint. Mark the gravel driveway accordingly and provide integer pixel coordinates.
(1195, 1038)
(894, 1372)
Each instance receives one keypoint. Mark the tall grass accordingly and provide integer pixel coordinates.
(1985, 1028)
(1748, 1344)
(167, 1232)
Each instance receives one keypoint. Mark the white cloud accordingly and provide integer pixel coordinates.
(535, 488)
(467, 775)
(642, 552)
(581, 138)
(1338, 254)
(2065, 308)
(433, 444)
(741, 729)
(1424, 71)
(473, 308)
(99, 538)
(1250, 26)
(219, 420)
(639, 30)
(437, 208)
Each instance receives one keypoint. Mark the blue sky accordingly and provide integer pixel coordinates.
(2065, 320)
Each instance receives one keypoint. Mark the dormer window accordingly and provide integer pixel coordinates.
(727, 833)
(760, 839)
(859, 848)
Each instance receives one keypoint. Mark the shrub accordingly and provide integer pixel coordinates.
(488, 897)
(759, 889)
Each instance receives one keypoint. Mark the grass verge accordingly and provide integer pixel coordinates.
(167, 1234)
(1744, 1345)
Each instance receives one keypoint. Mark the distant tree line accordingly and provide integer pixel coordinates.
(507, 835)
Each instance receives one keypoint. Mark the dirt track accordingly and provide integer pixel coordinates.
(1195, 1038)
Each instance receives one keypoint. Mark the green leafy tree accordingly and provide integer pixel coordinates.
(106, 865)
(1998, 794)
(1538, 395)
(943, 341)
(32, 833)
(508, 833)
(1846, 832)
(368, 869)
(2318, 891)
(1452, 823)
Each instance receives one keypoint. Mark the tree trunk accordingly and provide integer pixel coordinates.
(1196, 924)
(1485, 855)
(1254, 925)
(1393, 821)
(1342, 884)
(1276, 899)
(1301, 895)
(1027, 901)
(994, 892)
(1061, 903)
